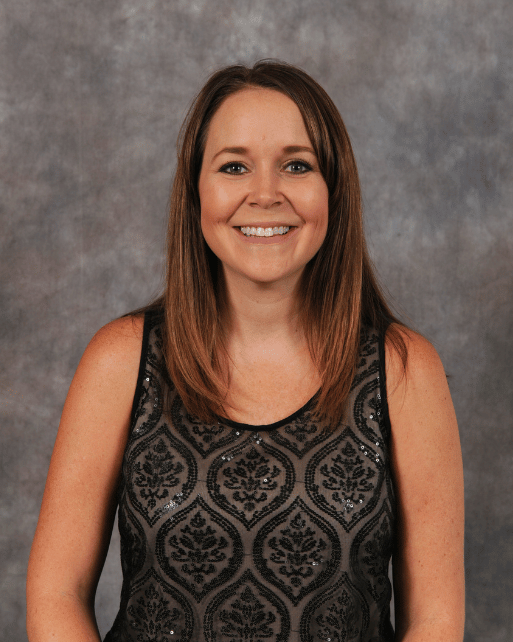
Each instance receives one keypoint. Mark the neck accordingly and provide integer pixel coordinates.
(261, 312)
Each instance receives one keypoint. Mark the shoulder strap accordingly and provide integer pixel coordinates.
(142, 365)
(387, 427)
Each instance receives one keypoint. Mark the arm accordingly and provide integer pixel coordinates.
(78, 508)
(426, 458)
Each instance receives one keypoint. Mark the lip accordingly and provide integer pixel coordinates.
(278, 239)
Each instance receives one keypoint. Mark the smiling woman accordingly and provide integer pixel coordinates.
(272, 179)
(259, 425)
(241, 143)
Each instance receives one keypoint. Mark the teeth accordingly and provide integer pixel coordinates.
(264, 231)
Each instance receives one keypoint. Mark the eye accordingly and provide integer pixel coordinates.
(298, 167)
(233, 168)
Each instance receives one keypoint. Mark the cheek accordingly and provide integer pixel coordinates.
(216, 204)
(325, 208)
(213, 218)
(316, 205)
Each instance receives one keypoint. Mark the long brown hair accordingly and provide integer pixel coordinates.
(338, 291)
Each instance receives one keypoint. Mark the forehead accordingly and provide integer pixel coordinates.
(257, 115)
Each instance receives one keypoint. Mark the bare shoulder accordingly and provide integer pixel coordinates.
(110, 362)
(105, 381)
(419, 402)
(95, 418)
(115, 350)
(118, 339)
(423, 369)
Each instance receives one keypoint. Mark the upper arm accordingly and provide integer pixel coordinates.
(428, 475)
(78, 506)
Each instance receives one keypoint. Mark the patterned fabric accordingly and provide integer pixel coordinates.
(237, 533)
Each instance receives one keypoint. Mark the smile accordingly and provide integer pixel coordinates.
(264, 231)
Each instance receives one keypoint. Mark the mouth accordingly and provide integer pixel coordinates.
(266, 231)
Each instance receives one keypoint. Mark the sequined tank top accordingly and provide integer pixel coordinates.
(272, 533)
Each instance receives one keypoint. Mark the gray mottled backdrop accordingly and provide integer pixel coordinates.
(91, 97)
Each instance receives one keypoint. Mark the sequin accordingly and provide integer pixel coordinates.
(182, 452)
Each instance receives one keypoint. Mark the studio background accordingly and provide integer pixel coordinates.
(92, 95)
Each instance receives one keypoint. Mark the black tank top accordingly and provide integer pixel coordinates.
(239, 533)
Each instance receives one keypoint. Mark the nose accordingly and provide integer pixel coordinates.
(265, 189)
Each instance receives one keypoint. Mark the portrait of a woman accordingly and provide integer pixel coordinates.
(271, 434)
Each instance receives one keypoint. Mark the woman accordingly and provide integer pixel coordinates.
(270, 432)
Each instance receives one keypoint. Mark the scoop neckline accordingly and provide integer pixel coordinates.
(263, 427)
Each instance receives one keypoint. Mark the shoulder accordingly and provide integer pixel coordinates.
(119, 335)
(99, 401)
(411, 361)
(117, 344)
(420, 407)
(110, 363)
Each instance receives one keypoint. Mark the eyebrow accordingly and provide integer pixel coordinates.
(290, 149)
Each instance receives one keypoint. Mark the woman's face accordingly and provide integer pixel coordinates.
(260, 175)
